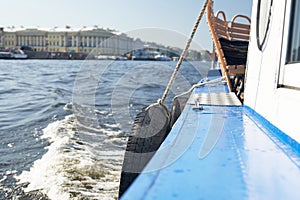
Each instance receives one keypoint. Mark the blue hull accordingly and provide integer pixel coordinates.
(221, 152)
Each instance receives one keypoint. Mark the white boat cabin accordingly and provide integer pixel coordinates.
(272, 83)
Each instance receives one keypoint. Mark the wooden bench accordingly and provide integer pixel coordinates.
(231, 41)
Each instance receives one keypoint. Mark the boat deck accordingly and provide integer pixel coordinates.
(221, 152)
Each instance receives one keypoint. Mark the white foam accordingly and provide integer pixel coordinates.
(9, 172)
(3, 179)
(44, 174)
(73, 169)
(113, 125)
(10, 145)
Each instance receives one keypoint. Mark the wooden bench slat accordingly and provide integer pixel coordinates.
(239, 25)
(239, 31)
(219, 21)
(239, 37)
(221, 32)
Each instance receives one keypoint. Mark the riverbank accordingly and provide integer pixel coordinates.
(56, 55)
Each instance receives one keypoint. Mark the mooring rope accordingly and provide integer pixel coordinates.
(183, 54)
(200, 85)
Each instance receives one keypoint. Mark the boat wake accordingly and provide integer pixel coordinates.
(82, 161)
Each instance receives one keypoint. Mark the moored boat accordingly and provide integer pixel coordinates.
(145, 54)
(12, 54)
(19, 56)
(162, 58)
(237, 136)
(5, 55)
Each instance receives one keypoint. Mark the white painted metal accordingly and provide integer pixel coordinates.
(266, 70)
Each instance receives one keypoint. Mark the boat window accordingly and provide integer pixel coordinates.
(290, 62)
(263, 19)
(293, 51)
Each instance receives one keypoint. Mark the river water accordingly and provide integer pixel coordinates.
(64, 124)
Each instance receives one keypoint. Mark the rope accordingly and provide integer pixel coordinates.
(201, 84)
(183, 54)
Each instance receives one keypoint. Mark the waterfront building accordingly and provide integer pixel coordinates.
(34, 38)
(81, 40)
(92, 41)
(1, 37)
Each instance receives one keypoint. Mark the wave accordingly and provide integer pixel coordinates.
(82, 162)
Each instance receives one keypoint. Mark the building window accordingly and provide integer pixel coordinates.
(69, 42)
(293, 51)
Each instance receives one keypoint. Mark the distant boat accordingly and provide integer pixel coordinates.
(5, 55)
(19, 56)
(105, 57)
(144, 54)
(162, 58)
(123, 58)
(148, 54)
(12, 54)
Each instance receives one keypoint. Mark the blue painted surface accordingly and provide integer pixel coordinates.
(281, 135)
(245, 158)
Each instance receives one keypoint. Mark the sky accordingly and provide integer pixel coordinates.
(162, 19)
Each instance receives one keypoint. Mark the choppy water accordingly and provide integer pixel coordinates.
(63, 124)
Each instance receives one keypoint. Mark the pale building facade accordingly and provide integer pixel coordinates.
(84, 40)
